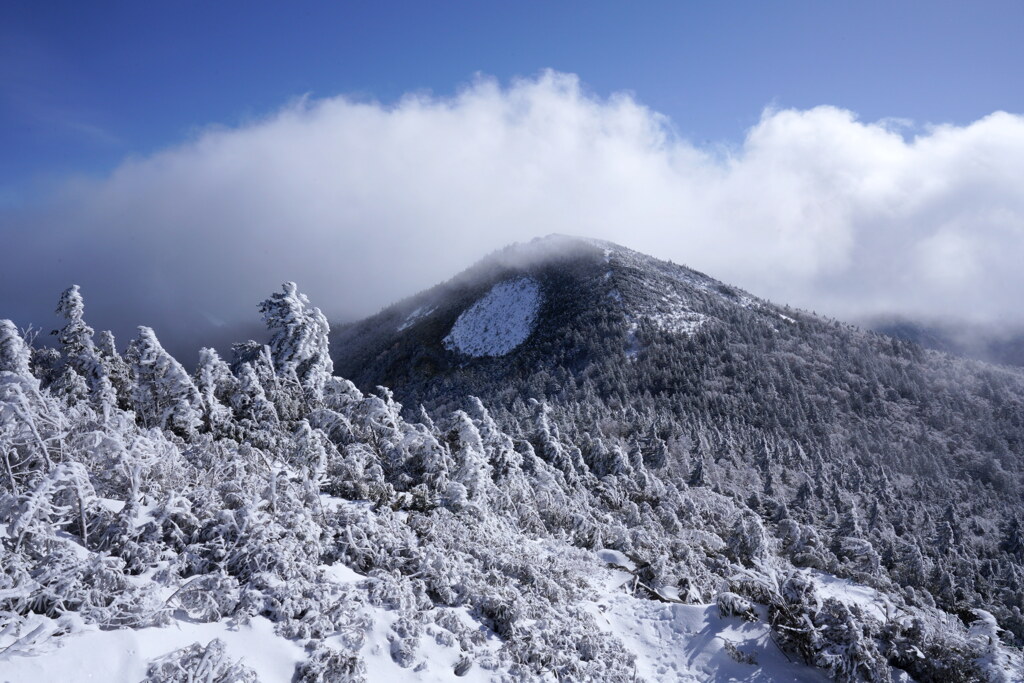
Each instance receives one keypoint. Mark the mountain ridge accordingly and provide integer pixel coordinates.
(575, 273)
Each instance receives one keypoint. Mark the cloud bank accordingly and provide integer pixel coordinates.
(364, 203)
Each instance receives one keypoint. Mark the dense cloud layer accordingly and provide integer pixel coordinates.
(363, 203)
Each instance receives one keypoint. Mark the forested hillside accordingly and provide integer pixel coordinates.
(906, 464)
(621, 470)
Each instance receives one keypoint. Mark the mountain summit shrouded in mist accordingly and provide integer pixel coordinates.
(816, 207)
(798, 417)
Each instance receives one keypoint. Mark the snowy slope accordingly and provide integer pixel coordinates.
(494, 309)
(671, 642)
(275, 520)
(498, 322)
(123, 655)
(677, 642)
(414, 317)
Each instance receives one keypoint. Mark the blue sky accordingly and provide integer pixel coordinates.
(180, 160)
(83, 85)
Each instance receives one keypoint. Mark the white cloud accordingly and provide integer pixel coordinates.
(364, 203)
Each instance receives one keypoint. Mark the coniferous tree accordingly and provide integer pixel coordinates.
(163, 394)
(79, 350)
(300, 340)
(216, 386)
(116, 368)
(15, 354)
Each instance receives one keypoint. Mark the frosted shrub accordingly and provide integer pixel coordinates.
(209, 663)
(327, 665)
(733, 605)
(210, 597)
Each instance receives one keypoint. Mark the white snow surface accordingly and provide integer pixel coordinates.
(849, 593)
(499, 321)
(614, 557)
(124, 654)
(687, 643)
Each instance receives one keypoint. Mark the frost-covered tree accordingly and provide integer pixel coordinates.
(250, 403)
(117, 369)
(309, 454)
(71, 387)
(15, 354)
(80, 352)
(163, 395)
(748, 541)
(471, 479)
(1013, 537)
(503, 455)
(32, 423)
(300, 339)
(216, 386)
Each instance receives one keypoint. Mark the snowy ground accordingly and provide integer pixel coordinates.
(849, 593)
(672, 641)
(677, 642)
(499, 322)
(124, 654)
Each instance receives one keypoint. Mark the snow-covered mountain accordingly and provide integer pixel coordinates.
(607, 468)
(542, 292)
(909, 460)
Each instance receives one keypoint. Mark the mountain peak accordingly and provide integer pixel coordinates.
(530, 301)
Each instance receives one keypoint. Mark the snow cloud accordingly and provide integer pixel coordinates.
(364, 203)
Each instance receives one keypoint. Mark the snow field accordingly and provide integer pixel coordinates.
(499, 322)
(124, 654)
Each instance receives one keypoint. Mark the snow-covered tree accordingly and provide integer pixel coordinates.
(216, 386)
(117, 369)
(472, 476)
(15, 354)
(300, 339)
(309, 454)
(164, 395)
(250, 401)
(80, 353)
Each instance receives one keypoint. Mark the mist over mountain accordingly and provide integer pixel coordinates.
(1000, 345)
(817, 207)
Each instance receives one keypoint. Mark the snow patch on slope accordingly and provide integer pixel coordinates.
(499, 322)
(415, 316)
(675, 316)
